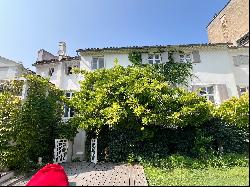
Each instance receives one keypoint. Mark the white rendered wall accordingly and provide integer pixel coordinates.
(215, 68)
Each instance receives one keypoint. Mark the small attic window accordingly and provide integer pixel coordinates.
(51, 71)
(69, 70)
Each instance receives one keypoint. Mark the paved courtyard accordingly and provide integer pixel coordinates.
(102, 174)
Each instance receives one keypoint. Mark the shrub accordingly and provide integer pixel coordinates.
(235, 111)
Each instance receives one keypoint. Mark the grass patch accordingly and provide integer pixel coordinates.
(236, 176)
(177, 170)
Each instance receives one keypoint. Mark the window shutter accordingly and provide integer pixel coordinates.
(196, 57)
(144, 58)
(66, 69)
(176, 57)
(222, 88)
(164, 57)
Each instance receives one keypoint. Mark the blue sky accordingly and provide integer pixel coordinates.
(29, 25)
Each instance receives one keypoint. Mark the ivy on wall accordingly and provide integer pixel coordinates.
(175, 73)
(28, 130)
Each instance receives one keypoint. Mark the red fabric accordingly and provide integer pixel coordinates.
(49, 175)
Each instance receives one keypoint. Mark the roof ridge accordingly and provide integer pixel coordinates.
(152, 46)
(216, 14)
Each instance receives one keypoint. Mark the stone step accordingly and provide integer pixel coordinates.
(6, 175)
(11, 181)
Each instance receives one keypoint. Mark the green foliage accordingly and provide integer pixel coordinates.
(235, 111)
(135, 58)
(28, 130)
(134, 96)
(175, 73)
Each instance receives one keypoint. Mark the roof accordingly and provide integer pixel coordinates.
(86, 50)
(218, 13)
(66, 58)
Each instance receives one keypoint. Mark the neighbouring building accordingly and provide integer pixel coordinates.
(10, 69)
(231, 24)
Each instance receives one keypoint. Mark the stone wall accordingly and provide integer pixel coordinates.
(231, 23)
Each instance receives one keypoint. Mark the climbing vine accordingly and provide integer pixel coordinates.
(135, 58)
(175, 73)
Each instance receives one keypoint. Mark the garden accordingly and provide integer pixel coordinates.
(139, 114)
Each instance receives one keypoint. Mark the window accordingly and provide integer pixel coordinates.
(154, 58)
(243, 89)
(208, 93)
(69, 70)
(70, 67)
(241, 60)
(97, 63)
(51, 71)
(185, 58)
(68, 112)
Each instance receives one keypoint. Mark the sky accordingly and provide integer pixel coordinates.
(29, 25)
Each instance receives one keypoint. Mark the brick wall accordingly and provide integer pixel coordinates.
(231, 23)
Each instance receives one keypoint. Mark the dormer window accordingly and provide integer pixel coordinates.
(97, 63)
(69, 68)
(51, 71)
(154, 58)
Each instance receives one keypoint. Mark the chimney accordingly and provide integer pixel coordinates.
(62, 50)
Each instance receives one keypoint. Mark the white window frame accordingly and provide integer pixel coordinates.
(206, 94)
(154, 59)
(98, 62)
(69, 109)
(185, 56)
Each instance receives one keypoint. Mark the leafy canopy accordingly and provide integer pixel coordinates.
(134, 96)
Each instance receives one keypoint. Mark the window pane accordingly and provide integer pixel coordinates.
(182, 58)
(101, 62)
(94, 64)
(69, 70)
(203, 91)
(71, 112)
(66, 111)
(243, 89)
(68, 94)
(150, 61)
(150, 56)
(157, 56)
(211, 98)
(210, 90)
(188, 57)
(157, 61)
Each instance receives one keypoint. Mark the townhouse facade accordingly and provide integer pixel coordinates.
(222, 69)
